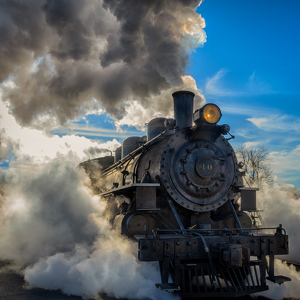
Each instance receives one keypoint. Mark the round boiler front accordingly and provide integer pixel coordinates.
(198, 174)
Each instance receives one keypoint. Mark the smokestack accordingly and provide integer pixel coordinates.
(183, 108)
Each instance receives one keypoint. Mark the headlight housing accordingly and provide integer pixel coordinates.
(212, 113)
(209, 114)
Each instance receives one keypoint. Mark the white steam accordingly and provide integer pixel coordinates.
(281, 205)
(55, 230)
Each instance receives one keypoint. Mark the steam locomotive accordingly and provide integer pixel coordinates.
(183, 200)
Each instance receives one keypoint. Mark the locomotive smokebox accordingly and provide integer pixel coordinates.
(183, 108)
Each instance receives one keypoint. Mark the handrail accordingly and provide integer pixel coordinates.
(157, 230)
(133, 153)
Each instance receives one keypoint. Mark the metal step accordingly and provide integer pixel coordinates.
(168, 287)
(279, 279)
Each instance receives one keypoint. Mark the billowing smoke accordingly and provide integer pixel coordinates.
(67, 58)
(281, 205)
(59, 235)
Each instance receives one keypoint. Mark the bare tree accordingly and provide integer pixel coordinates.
(257, 165)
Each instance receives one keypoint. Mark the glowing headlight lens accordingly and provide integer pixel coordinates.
(212, 113)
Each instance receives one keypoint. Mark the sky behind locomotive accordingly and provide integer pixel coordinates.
(248, 65)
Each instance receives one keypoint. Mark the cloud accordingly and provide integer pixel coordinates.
(254, 86)
(282, 123)
(285, 164)
(95, 131)
(214, 87)
(250, 144)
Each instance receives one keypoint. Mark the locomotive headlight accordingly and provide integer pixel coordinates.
(212, 113)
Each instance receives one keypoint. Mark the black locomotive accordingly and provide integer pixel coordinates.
(181, 187)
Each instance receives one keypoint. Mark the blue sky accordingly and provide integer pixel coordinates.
(249, 66)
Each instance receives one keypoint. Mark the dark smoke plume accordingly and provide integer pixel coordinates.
(61, 55)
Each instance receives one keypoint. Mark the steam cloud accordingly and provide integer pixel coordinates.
(51, 223)
(60, 60)
(281, 205)
(67, 58)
